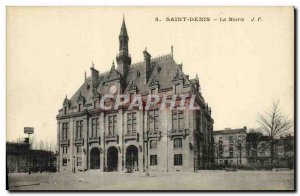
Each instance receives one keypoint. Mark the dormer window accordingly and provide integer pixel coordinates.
(131, 96)
(65, 109)
(153, 91)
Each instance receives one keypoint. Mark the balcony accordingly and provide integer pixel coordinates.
(112, 138)
(131, 136)
(79, 141)
(64, 142)
(181, 132)
(94, 140)
(153, 134)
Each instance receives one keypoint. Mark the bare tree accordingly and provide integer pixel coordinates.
(274, 124)
(239, 146)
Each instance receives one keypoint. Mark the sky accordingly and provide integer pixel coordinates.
(242, 66)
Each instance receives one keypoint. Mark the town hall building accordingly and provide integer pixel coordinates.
(123, 140)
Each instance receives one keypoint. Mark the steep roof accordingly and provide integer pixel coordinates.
(164, 70)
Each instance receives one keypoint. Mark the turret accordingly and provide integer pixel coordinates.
(123, 57)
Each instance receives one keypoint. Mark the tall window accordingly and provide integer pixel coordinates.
(79, 149)
(65, 149)
(95, 127)
(177, 159)
(153, 117)
(153, 144)
(79, 107)
(231, 147)
(153, 159)
(177, 120)
(131, 122)
(112, 124)
(79, 161)
(79, 129)
(177, 143)
(65, 131)
(65, 161)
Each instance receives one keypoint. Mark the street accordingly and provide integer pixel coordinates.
(203, 180)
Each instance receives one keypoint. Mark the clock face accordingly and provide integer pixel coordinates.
(113, 89)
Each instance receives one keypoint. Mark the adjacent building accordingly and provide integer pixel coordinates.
(236, 147)
(20, 158)
(124, 140)
(230, 147)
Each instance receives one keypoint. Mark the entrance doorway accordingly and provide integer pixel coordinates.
(95, 158)
(112, 159)
(132, 158)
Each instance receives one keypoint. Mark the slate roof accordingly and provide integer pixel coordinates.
(164, 69)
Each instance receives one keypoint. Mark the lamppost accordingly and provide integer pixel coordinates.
(147, 141)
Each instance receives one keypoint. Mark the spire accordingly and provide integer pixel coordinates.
(123, 57)
(197, 78)
(123, 28)
(172, 50)
(84, 75)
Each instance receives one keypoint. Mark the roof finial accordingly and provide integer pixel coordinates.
(123, 17)
(197, 78)
(84, 75)
(66, 96)
(172, 50)
(92, 64)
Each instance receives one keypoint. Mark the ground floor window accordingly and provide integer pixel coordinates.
(65, 162)
(177, 159)
(79, 161)
(153, 159)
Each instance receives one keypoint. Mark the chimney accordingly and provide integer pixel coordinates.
(147, 60)
(95, 77)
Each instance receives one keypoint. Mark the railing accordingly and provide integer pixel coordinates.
(179, 132)
(131, 136)
(154, 134)
(95, 140)
(78, 141)
(123, 54)
(111, 138)
(64, 142)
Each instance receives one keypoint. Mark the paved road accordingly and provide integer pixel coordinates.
(203, 180)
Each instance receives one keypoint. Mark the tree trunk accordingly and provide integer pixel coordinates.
(272, 150)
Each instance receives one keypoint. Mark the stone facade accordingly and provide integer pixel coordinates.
(123, 140)
(230, 147)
